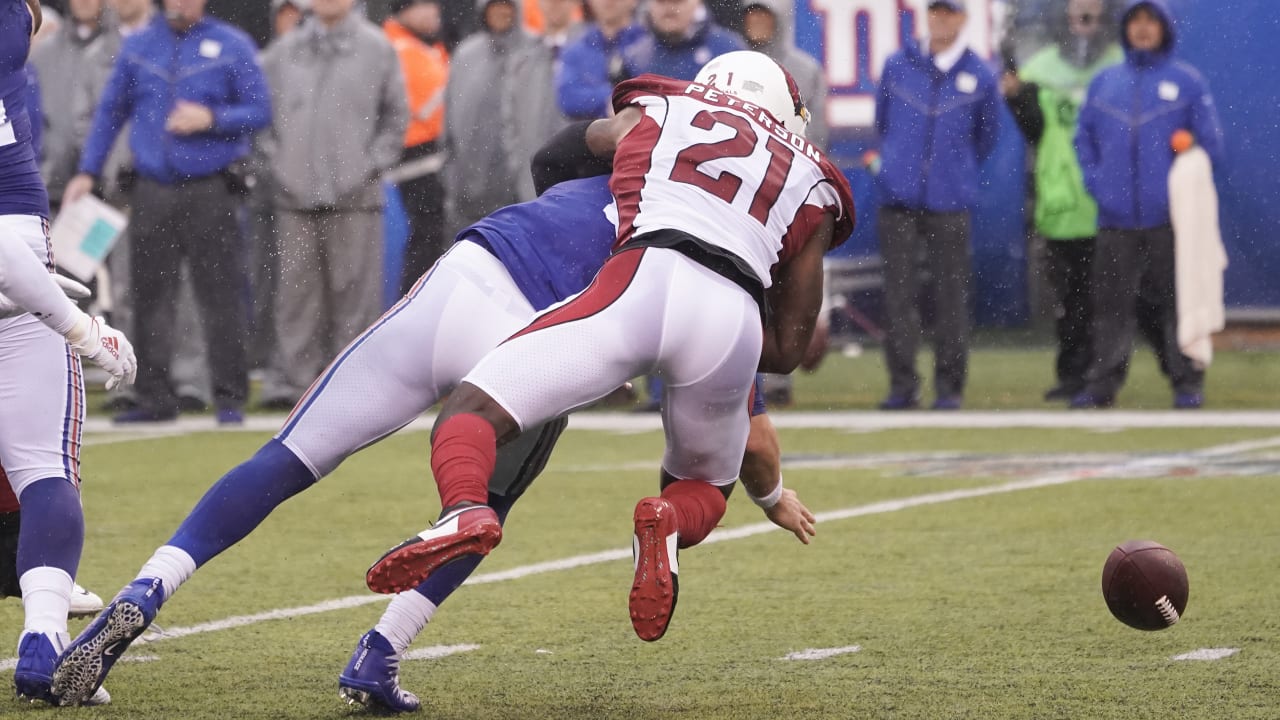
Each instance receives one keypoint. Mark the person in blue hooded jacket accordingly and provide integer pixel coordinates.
(937, 114)
(1123, 141)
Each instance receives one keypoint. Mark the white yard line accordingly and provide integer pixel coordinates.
(1125, 468)
(821, 653)
(1208, 654)
(102, 431)
(435, 652)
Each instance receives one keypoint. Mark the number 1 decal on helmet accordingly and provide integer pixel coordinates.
(757, 78)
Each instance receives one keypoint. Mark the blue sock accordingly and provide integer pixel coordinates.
(444, 581)
(241, 500)
(52, 531)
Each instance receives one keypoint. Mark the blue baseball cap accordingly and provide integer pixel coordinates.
(952, 5)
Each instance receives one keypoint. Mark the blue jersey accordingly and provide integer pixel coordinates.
(554, 245)
(21, 189)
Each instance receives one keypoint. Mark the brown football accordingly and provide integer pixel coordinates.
(1145, 585)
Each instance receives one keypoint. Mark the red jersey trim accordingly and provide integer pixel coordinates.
(614, 278)
(631, 166)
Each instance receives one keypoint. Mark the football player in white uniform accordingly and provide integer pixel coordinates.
(725, 212)
(41, 384)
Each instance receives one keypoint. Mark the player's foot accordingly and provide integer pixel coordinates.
(37, 656)
(656, 585)
(948, 402)
(372, 677)
(1188, 401)
(83, 602)
(1087, 400)
(469, 530)
(140, 415)
(33, 677)
(900, 402)
(88, 659)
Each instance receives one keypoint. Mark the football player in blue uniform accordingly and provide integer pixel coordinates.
(502, 271)
(43, 335)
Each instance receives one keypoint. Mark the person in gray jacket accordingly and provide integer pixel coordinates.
(768, 27)
(339, 118)
(60, 64)
(500, 107)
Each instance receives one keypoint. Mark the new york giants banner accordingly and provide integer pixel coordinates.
(1230, 41)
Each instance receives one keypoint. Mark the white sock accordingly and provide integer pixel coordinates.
(172, 565)
(405, 617)
(46, 598)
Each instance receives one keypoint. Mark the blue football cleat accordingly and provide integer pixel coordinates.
(37, 656)
(89, 658)
(372, 677)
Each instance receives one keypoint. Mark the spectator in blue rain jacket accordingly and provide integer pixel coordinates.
(1123, 140)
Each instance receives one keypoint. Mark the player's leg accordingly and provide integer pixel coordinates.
(1068, 264)
(947, 243)
(41, 414)
(299, 321)
(569, 357)
(371, 676)
(709, 365)
(380, 382)
(83, 602)
(353, 246)
(10, 525)
(153, 282)
(899, 250)
(215, 250)
(1158, 319)
(1117, 271)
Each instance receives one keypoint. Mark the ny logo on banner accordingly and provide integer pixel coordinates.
(859, 35)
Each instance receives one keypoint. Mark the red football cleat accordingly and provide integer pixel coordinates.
(470, 530)
(656, 585)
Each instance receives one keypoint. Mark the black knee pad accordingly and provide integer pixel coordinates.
(10, 523)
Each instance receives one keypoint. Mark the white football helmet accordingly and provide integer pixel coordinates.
(756, 78)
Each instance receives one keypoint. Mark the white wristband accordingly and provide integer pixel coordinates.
(768, 501)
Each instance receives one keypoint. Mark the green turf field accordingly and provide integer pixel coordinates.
(963, 564)
(1014, 372)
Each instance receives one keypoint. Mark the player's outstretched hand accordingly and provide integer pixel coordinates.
(106, 347)
(791, 514)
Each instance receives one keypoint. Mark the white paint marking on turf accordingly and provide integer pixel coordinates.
(11, 663)
(821, 653)
(102, 431)
(724, 535)
(1207, 654)
(277, 614)
(435, 652)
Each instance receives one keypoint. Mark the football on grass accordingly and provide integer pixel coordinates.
(1145, 585)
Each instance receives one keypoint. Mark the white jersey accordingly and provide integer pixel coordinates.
(724, 171)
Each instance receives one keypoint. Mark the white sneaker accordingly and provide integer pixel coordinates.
(84, 603)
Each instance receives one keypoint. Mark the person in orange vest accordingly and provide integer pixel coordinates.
(414, 31)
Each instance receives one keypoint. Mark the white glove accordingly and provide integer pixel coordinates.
(70, 288)
(106, 347)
